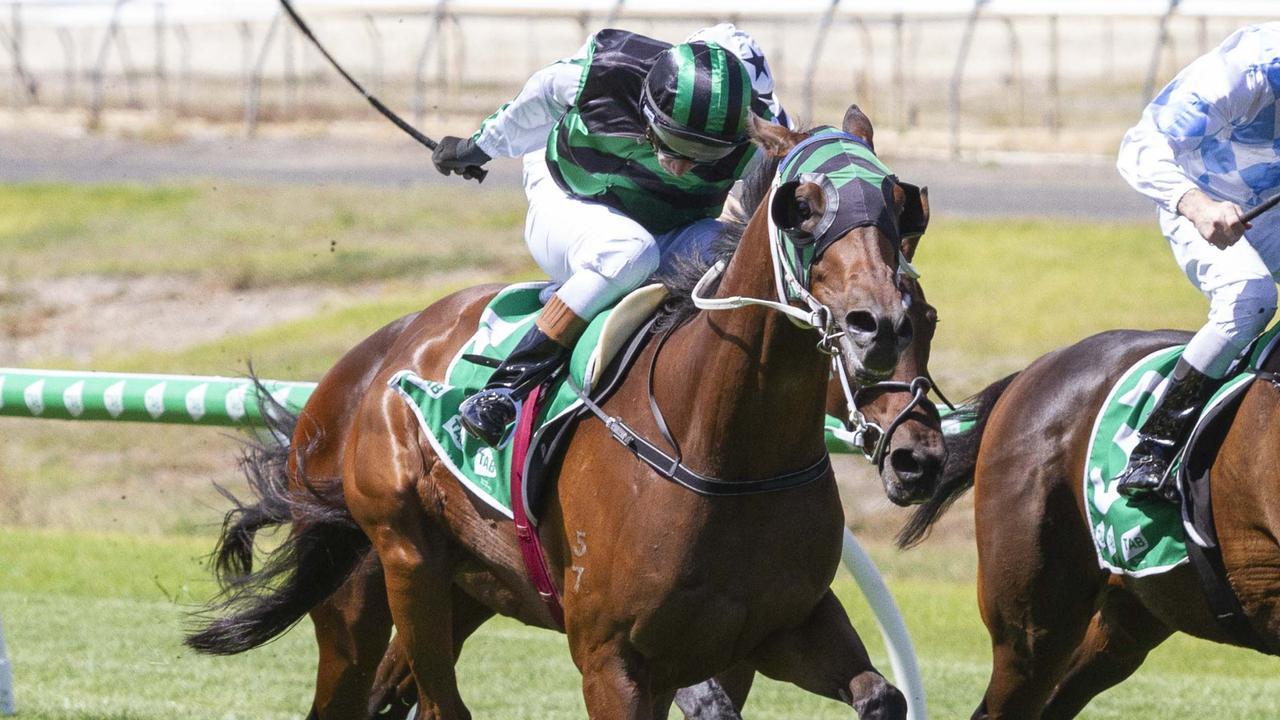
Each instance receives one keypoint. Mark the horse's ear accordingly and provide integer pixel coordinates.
(913, 218)
(776, 140)
(857, 123)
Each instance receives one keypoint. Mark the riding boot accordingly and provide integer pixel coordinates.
(538, 355)
(1164, 432)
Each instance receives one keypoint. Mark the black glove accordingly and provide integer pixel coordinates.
(457, 156)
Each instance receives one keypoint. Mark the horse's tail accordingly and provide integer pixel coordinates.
(962, 458)
(323, 546)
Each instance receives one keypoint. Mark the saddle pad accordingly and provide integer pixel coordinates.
(1143, 537)
(486, 471)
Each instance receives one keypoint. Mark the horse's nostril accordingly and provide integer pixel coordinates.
(863, 322)
(905, 465)
(905, 330)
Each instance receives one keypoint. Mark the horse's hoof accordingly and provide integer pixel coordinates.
(875, 699)
(706, 701)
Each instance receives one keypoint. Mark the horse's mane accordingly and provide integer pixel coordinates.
(685, 271)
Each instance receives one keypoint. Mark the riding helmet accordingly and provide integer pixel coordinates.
(696, 99)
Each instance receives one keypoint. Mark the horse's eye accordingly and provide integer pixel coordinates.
(803, 212)
(931, 315)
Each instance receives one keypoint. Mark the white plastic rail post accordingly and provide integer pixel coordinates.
(7, 705)
(902, 655)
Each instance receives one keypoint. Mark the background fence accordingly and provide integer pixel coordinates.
(960, 74)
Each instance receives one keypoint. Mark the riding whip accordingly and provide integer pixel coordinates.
(1265, 206)
(471, 173)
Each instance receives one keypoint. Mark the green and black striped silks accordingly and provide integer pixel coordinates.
(598, 149)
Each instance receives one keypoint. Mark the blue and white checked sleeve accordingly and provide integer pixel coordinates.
(1213, 127)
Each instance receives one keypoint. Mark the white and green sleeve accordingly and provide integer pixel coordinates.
(522, 125)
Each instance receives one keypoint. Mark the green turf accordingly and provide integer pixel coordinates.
(244, 236)
(94, 624)
(102, 527)
(1008, 291)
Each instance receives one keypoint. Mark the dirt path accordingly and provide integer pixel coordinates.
(1013, 185)
(79, 318)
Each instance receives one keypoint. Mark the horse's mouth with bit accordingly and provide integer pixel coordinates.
(913, 468)
(903, 494)
(857, 371)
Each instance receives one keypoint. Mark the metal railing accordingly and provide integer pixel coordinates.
(974, 63)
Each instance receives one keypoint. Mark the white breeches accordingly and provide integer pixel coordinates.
(1239, 281)
(594, 252)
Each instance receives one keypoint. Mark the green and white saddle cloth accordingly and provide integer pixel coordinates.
(1142, 538)
(486, 471)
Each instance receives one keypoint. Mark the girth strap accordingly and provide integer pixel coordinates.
(676, 471)
(673, 468)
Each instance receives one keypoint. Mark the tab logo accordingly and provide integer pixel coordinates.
(453, 429)
(1133, 544)
(484, 464)
(435, 390)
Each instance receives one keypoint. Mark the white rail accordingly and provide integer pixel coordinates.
(902, 653)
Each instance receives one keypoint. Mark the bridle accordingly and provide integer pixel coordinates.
(865, 434)
(870, 437)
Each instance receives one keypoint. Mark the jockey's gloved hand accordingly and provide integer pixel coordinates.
(455, 156)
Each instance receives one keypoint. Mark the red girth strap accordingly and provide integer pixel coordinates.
(535, 562)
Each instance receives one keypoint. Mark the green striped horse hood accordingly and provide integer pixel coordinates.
(858, 192)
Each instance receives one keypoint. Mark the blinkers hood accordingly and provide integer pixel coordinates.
(857, 188)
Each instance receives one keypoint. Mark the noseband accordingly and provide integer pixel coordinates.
(867, 435)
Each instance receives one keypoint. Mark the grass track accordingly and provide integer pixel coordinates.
(251, 236)
(94, 622)
(94, 619)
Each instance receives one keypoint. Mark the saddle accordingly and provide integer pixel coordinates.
(1193, 479)
(1140, 537)
(599, 362)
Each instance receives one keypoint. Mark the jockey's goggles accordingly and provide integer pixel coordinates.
(675, 148)
(680, 143)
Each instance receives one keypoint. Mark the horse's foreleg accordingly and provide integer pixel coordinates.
(615, 684)
(1036, 609)
(394, 689)
(1119, 637)
(352, 628)
(825, 656)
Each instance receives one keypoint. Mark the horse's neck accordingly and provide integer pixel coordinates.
(746, 388)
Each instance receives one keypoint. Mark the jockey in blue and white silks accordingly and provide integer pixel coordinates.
(1206, 150)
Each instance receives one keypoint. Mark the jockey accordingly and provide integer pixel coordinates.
(1206, 149)
(630, 149)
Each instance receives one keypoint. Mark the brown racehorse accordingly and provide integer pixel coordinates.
(352, 626)
(688, 588)
(1063, 630)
